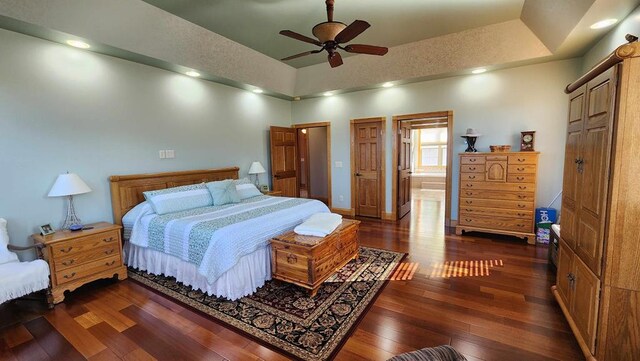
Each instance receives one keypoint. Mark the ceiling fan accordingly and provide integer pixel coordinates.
(331, 34)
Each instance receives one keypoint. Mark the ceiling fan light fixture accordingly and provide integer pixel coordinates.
(328, 30)
(478, 71)
(388, 84)
(603, 24)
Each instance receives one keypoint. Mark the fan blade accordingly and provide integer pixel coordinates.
(366, 49)
(354, 29)
(301, 54)
(335, 60)
(300, 37)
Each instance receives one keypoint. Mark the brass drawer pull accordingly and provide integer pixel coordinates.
(110, 263)
(66, 250)
(522, 187)
(469, 185)
(468, 220)
(110, 251)
(469, 210)
(520, 178)
(70, 276)
(521, 159)
(472, 168)
(520, 225)
(520, 169)
(291, 258)
(472, 160)
(521, 214)
(468, 193)
(521, 206)
(520, 196)
(107, 240)
(472, 177)
(469, 202)
(69, 262)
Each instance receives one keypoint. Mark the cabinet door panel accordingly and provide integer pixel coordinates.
(586, 298)
(565, 265)
(496, 171)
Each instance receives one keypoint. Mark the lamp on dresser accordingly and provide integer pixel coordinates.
(256, 169)
(69, 185)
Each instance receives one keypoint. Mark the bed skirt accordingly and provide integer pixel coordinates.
(250, 273)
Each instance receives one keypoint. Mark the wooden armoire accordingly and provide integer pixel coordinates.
(598, 278)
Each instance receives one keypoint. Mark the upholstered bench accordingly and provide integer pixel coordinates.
(440, 353)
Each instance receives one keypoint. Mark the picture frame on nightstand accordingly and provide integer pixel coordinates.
(46, 229)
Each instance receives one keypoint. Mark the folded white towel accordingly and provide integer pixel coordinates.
(319, 224)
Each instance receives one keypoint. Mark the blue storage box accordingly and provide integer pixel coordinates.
(546, 215)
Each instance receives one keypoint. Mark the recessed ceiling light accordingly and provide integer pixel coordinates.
(604, 23)
(296, 98)
(192, 73)
(78, 44)
(479, 71)
(327, 94)
(257, 91)
(387, 84)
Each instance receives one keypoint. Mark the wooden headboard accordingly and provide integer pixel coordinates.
(126, 190)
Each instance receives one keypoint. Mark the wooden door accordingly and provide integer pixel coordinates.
(404, 168)
(585, 302)
(564, 273)
(367, 152)
(594, 169)
(570, 185)
(284, 161)
(496, 169)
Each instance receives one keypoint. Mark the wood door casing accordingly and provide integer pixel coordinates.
(594, 170)
(284, 160)
(367, 143)
(404, 169)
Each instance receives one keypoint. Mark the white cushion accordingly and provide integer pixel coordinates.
(556, 228)
(5, 255)
(21, 278)
(247, 191)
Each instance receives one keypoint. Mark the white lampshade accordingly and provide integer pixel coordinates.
(256, 168)
(68, 184)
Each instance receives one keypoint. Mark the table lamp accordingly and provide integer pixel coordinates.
(256, 168)
(68, 185)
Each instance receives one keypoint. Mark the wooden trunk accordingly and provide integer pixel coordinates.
(308, 261)
(598, 279)
(498, 193)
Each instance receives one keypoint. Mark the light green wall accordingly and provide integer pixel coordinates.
(64, 109)
(498, 104)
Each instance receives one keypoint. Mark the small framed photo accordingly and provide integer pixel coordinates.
(264, 188)
(46, 230)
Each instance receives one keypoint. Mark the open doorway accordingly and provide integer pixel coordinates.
(422, 156)
(314, 161)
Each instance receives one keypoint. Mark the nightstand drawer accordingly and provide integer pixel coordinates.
(80, 258)
(75, 246)
(87, 269)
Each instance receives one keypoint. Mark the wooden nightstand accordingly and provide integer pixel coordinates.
(273, 193)
(77, 258)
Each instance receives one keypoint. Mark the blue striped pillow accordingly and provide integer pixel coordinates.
(179, 199)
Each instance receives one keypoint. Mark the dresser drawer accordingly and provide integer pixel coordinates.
(494, 186)
(80, 258)
(473, 177)
(75, 246)
(521, 178)
(497, 212)
(507, 224)
(507, 196)
(523, 159)
(75, 273)
(472, 168)
(472, 159)
(496, 203)
(521, 168)
(291, 265)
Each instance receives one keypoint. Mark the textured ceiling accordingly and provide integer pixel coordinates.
(256, 23)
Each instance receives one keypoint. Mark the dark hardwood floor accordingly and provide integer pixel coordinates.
(508, 314)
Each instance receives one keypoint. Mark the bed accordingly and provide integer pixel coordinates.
(221, 250)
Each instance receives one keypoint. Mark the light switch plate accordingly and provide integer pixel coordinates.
(162, 154)
(338, 164)
(171, 153)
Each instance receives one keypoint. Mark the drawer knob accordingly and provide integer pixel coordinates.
(66, 250)
(291, 258)
(520, 178)
(70, 276)
(110, 263)
(69, 262)
(107, 240)
(520, 169)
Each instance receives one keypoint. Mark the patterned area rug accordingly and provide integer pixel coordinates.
(282, 316)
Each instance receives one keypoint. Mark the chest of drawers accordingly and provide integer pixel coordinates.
(497, 193)
(76, 258)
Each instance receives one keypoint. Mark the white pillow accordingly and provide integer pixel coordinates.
(5, 255)
(247, 190)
